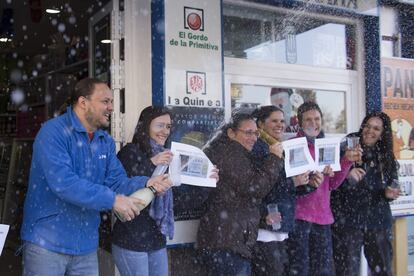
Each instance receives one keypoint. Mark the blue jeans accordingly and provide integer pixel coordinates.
(40, 261)
(130, 263)
(310, 249)
(226, 263)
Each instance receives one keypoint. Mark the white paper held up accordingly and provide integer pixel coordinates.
(298, 159)
(4, 229)
(190, 166)
(327, 153)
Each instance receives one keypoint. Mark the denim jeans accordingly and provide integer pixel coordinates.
(225, 263)
(134, 263)
(40, 261)
(310, 250)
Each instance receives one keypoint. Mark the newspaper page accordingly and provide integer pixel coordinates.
(327, 153)
(191, 166)
(298, 159)
(4, 229)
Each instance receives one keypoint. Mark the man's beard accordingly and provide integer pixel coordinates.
(94, 122)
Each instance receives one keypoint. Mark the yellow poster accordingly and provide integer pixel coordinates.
(397, 76)
(398, 102)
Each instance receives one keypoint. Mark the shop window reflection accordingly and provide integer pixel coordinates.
(246, 98)
(285, 37)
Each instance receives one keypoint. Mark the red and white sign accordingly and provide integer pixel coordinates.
(196, 83)
(193, 54)
(193, 19)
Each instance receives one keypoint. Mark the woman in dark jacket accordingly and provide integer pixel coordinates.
(228, 229)
(139, 246)
(361, 205)
(270, 256)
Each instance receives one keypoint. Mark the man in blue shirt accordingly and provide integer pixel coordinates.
(74, 175)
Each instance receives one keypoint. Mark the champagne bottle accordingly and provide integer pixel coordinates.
(146, 194)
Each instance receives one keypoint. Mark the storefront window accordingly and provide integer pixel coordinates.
(248, 97)
(287, 37)
(102, 49)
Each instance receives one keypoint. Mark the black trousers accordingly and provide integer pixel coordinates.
(269, 258)
(347, 245)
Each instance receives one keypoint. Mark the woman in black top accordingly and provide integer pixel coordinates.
(270, 256)
(361, 204)
(139, 246)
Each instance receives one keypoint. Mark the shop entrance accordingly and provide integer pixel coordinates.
(250, 84)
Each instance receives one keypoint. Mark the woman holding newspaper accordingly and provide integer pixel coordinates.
(361, 205)
(228, 230)
(310, 243)
(270, 256)
(139, 246)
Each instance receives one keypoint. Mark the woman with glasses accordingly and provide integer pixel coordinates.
(228, 230)
(139, 246)
(361, 204)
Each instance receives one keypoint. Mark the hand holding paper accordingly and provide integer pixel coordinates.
(191, 166)
(215, 174)
(298, 159)
(301, 179)
(163, 157)
(328, 171)
(277, 149)
(327, 154)
(316, 179)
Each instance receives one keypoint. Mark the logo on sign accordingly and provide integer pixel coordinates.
(193, 19)
(196, 83)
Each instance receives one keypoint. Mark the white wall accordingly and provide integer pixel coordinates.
(138, 88)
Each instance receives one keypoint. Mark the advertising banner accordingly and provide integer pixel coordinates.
(193, 54)
(398, 102)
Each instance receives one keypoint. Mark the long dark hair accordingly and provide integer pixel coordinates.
(385, 143)
(141, 135)
(221, 135)
(264, 112)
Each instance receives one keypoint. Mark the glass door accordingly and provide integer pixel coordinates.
(251, 84)
(105, 63)
(106, 59)
(247, 97)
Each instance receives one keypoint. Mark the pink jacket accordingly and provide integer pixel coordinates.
(315, 207)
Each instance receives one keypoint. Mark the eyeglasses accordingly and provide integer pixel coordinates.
(160, 126)
(249, 133)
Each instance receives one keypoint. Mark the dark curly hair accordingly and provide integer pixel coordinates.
(141, 135)
(384, 145)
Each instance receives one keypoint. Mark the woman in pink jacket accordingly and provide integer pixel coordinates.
(310, 243)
